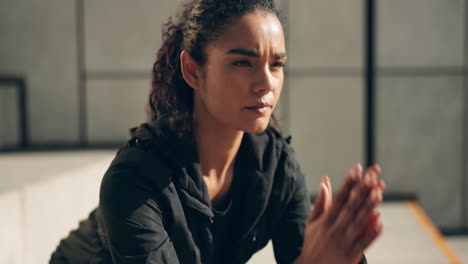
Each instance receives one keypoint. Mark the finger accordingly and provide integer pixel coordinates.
(329, 198)
(359, 223)
(374, 200)
(381, 185)
(328, 184)
(355, 203)
(376, 168)
(371, 175)
(319, 203)
(352, 178)
(370, 235)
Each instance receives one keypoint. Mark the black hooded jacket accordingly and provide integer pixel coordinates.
(154, 206)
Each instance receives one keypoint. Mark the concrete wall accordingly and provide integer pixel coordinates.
(465, 156)
(419, 97)
(465, 130)
(71, 52)
(39, 43)
(121, 41)
(420, 102)
(324, 89)
(9, 117)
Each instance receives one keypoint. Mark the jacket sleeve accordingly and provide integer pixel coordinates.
(132, 219)
(289, 237)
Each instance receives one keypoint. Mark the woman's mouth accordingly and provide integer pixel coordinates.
(260, 108)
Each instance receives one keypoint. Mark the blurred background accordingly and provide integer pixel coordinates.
(367, 81)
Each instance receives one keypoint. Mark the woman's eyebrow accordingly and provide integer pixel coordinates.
(246, 52)
(254, 53)
(281, 55)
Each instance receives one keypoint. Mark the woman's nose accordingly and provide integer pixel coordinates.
(265, 81)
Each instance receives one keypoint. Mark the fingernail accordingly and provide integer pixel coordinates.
(374, 178)
(377, 213)
(381, 184)
(377, 167)
(323, 183)
(368, 178)
(381, 196)
(323, 186)
(379, 225)
(325, 180)
(359, 167)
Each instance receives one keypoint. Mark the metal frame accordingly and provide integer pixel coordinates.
(369, 49)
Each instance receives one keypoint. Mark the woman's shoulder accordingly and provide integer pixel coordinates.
(273, 148)
(288, 167)
(137, 165)
(282, 143)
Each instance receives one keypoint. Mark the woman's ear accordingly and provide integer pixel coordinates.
(191, 72)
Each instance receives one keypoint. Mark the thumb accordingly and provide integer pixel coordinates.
(320, 202)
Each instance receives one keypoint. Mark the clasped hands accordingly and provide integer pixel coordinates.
(340, 228)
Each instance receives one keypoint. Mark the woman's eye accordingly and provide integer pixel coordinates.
(242, 63)
(278, 64)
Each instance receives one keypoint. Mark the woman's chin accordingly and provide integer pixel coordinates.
(257, 127)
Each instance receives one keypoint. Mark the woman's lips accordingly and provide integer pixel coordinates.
(260, 109)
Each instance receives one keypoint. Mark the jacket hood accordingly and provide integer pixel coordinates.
(183, 149)
(159, 133)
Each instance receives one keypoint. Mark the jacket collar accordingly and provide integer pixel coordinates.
(258, 157)
(258, 160)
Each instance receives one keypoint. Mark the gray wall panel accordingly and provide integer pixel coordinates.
(325, 34)
(114, 106)
(9, 117)
(419, 126)
(326, 117)
(39, 43)
(124, 35)
(465, 131)
(465, 157)
(415, 33)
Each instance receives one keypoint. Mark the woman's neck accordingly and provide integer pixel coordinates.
(217, 148)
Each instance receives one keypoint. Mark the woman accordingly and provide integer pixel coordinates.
(210, 179)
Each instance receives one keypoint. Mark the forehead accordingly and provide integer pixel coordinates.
(259, 30)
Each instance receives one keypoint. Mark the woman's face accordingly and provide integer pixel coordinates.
(243, 75)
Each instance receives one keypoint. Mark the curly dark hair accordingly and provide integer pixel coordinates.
(198, 23)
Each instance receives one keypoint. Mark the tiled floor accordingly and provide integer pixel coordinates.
(404, 241)
(36, 191)
(460, 246)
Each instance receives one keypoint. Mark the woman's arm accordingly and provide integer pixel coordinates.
(133, 220)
